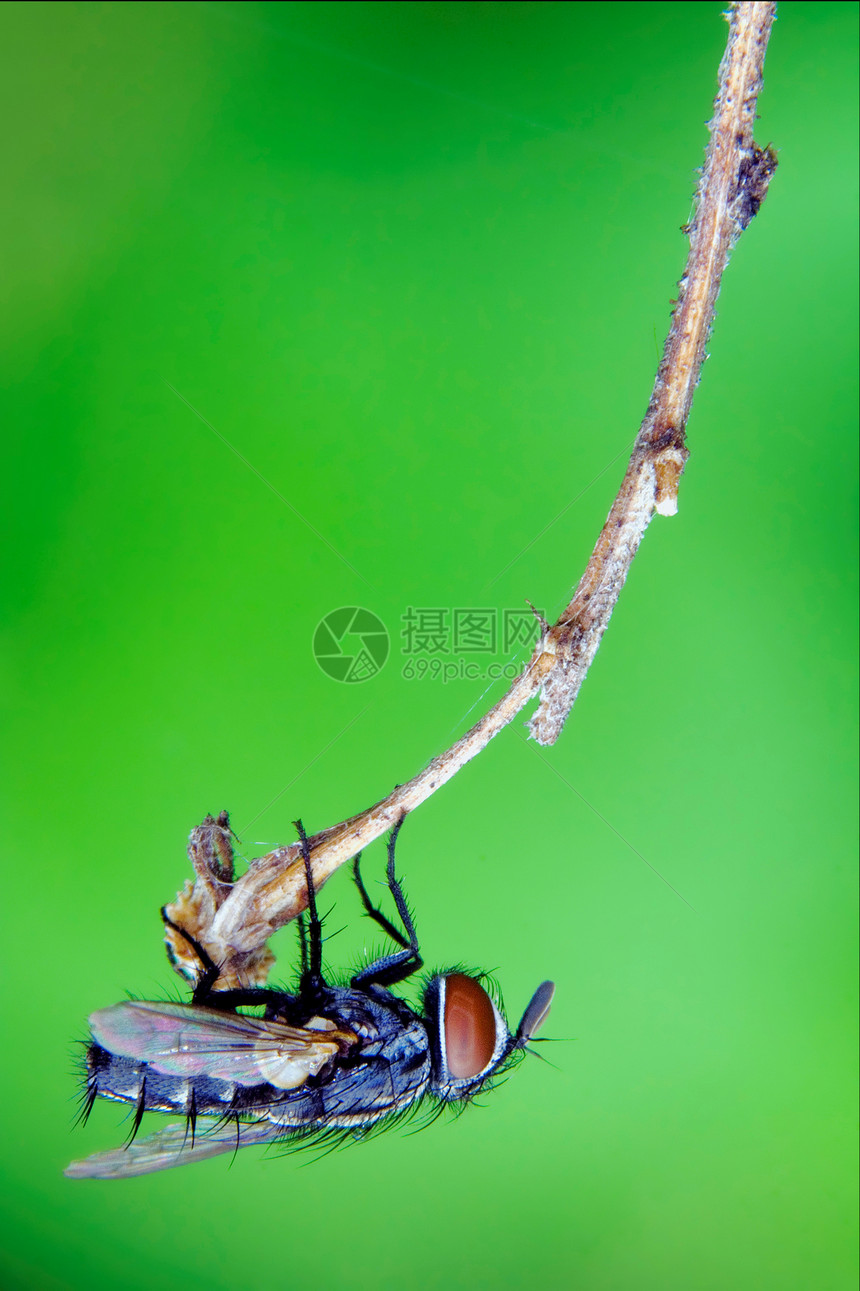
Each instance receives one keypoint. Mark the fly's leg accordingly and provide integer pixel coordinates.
(373, 911)
(204, 992)
(210, 970)
(403, 963)
(311, 948)
(303, 944)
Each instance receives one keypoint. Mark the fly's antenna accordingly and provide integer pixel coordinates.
(535, 1014)
(527, 1048)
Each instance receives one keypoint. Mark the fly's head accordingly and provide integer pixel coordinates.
(469, 1037)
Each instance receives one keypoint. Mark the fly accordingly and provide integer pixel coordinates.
(324, 1063)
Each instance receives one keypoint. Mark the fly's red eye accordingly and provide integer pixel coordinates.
(470, 1026)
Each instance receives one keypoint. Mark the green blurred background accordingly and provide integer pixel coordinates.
(414, 263)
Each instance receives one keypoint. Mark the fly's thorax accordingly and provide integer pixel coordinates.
(371, 1014)
(386, 1027)
(469, 1037)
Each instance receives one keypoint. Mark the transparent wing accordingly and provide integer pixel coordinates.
(170, 1147)
(184, 1040)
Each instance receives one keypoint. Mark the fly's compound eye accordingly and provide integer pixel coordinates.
(470, 1027)
(471, 1038)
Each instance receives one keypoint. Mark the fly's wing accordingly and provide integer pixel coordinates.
(184, 1040)
(170, 1147)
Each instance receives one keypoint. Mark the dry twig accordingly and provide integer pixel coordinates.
(233, 919)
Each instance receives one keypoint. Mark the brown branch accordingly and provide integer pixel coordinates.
(234, 919)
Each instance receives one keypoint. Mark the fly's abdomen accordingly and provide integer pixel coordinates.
(125, 1080)
(128, 1080)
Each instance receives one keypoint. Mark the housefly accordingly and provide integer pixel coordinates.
(325, 1063)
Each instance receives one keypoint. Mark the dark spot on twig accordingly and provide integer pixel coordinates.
(754, 175)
